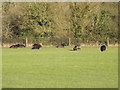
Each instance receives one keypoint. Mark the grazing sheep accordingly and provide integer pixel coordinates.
(76, 47)
(17, 46)
(37, 46)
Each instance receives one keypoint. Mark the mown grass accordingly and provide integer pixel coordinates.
(60, 68)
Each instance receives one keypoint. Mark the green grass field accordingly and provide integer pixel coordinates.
(60, 68)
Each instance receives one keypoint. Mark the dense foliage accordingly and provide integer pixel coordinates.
(53, 23)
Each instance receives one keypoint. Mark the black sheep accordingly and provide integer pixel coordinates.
(37, 46)
(76, 47)
(103, 48)
(17, 46)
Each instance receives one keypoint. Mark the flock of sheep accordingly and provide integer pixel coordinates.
(38, 46)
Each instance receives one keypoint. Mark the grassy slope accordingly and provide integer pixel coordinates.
(60, 68)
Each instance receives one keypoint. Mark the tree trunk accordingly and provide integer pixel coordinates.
(97, 43)
(69, 41)
(26, 41)
(108, 41)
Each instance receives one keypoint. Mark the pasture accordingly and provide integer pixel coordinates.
(60, 68)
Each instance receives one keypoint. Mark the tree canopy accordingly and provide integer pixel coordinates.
(53, 23)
